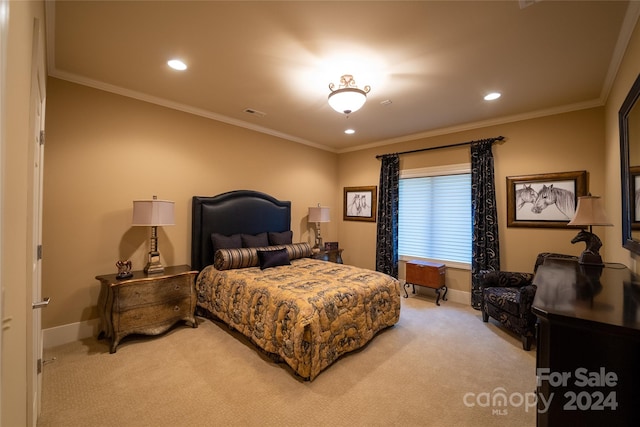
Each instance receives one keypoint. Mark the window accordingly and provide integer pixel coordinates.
(434, 217)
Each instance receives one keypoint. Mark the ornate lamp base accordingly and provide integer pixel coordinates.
(153, 265)
(318, 244)
(591, 255)
(590, 258)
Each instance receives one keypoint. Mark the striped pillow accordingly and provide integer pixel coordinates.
(229, 258)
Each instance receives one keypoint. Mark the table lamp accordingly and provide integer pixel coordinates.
(153, 213)
(589, 212)
(318, 214)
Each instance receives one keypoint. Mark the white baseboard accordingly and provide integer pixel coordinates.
(64, 334)
(453, 295)
(461, 297)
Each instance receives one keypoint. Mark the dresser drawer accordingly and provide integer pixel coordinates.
(144, 318)
(153, 291)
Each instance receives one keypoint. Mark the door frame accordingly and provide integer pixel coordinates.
(37, 111)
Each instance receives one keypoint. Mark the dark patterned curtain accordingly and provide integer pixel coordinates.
(485, 246)
(387, 238)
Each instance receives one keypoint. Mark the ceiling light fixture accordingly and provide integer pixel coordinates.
(491, 96)
(348, 98)
(176, 64)
(349, 131)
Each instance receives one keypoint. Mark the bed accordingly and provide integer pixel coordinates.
(297, 309)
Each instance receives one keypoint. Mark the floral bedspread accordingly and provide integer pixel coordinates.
(309, 313)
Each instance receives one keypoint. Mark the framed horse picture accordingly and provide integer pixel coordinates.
(546, 200)
(360, 203)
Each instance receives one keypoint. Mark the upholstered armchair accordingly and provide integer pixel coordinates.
(507, 297)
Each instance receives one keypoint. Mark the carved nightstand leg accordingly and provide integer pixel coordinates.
(114, 345)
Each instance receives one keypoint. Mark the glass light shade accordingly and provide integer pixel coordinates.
(176, 64)
(590, 212)
(319, 214)
(347, 100)
(153, 212)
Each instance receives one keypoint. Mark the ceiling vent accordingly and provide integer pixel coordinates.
(254, 112)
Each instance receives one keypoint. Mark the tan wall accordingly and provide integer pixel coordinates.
(17, 196)
(104, 150)
(560, 143)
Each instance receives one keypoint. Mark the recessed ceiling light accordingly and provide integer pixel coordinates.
(176, 64)
(349, 131)
(491, 96)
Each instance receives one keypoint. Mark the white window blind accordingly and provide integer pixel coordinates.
(435, 219)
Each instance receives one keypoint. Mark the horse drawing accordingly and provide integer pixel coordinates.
(525, 195)
(358, 205)
(593, 242)
(563, 199)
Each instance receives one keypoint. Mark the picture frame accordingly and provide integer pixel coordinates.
(634, 175)
(360, 203)
(330, 246)
(526, 207)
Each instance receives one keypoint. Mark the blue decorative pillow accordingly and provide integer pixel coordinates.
(281, 238)
(275, 258)
(254, 241)
(220, 241)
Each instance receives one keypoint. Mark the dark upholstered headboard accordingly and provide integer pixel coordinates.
(241, 211)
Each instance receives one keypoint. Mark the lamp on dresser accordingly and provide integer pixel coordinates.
(318, 214)
(589, 212)
(153, 213)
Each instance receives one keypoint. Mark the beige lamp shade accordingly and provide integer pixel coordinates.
(319, 214)
(590, 211)
(153, 212)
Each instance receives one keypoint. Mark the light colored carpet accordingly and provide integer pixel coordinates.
(437, 367)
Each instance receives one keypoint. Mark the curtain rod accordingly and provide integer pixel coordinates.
(497, 138)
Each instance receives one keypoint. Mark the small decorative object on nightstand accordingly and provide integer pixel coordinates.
(146, 304)
(428, 274)
(124, 269)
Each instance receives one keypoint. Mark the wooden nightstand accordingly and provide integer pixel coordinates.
(333, 255)
(146, 304)
(428, 274)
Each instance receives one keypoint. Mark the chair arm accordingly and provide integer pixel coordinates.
(505, 279)
(527, 294)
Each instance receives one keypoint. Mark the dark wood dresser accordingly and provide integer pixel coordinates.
(146, 303)
(588, 354)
